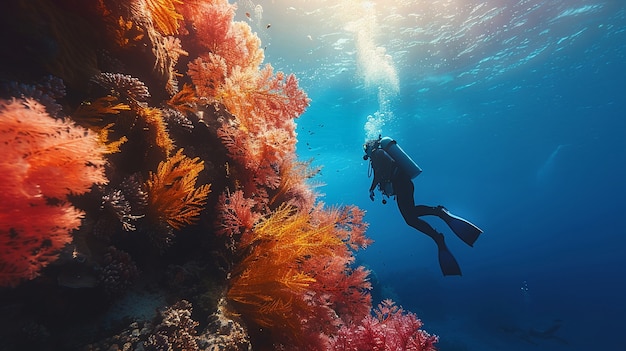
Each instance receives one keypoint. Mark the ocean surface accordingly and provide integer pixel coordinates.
(516, 112)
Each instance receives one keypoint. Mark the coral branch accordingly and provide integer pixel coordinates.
(172, 195)
(391, 329)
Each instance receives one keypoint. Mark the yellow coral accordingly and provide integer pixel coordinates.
(184, 101)
(91, 113)
(164, 15)
(111, 146)
(154, 118)
(172, 195)
(127, 33)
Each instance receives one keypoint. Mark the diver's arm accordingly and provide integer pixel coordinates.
(374, 183)
(375, 180)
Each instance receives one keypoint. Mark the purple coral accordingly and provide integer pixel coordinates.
(124, 85)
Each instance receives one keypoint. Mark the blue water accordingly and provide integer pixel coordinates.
(516, 112)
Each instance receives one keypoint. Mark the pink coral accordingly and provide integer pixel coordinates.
(43, 161)
(389, 330)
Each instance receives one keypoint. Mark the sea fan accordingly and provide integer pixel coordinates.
(44, 160)
(270, 285)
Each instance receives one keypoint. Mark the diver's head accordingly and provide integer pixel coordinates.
(370, 146)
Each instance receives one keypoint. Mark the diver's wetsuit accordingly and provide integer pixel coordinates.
(403, 187)
(386, 170)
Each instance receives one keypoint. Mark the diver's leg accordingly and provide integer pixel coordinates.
(411, 214)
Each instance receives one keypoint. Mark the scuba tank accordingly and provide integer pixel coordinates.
(402, 159)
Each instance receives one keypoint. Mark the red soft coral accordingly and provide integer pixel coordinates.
(389, 330)
(211, 21)
(43, 161)
(236, 215)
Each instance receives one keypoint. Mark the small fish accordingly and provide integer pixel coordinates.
(268, 25)
(248, 15)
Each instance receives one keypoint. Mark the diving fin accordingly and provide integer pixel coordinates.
(463, 228)
(447, 262)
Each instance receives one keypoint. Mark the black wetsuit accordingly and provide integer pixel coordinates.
(386, 170)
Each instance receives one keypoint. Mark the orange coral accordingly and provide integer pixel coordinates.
(184, 101)
(264, 106)
(154, 118)
(167, 53)
(93, 113)
(172, 194)
(292, 185)
(241, 48)
(164, 15)
(127, 33)
(207, 74)
(111, 146)
(268, 285)
(209, 34)
(43, 159)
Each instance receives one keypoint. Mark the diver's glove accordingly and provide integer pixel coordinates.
(372, 195)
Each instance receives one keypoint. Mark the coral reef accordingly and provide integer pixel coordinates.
(163, 169)
(176, 331)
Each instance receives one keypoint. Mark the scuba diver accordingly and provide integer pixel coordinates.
(393, 174)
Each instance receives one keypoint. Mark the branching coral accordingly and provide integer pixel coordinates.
(209, 34)
(123, 85)
(389, 330)
(237, 214)
(164, 15)
(43, 161)
(156, 125)
(263, 99)
(208, 73)
(273, 283)
(172, 194)
(176, 330)
(292, 187)
(184, 101)
(267, 285)
(127, 33)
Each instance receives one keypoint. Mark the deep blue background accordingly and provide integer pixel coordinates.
(524, 133)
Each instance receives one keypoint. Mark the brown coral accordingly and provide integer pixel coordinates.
(172, 195)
